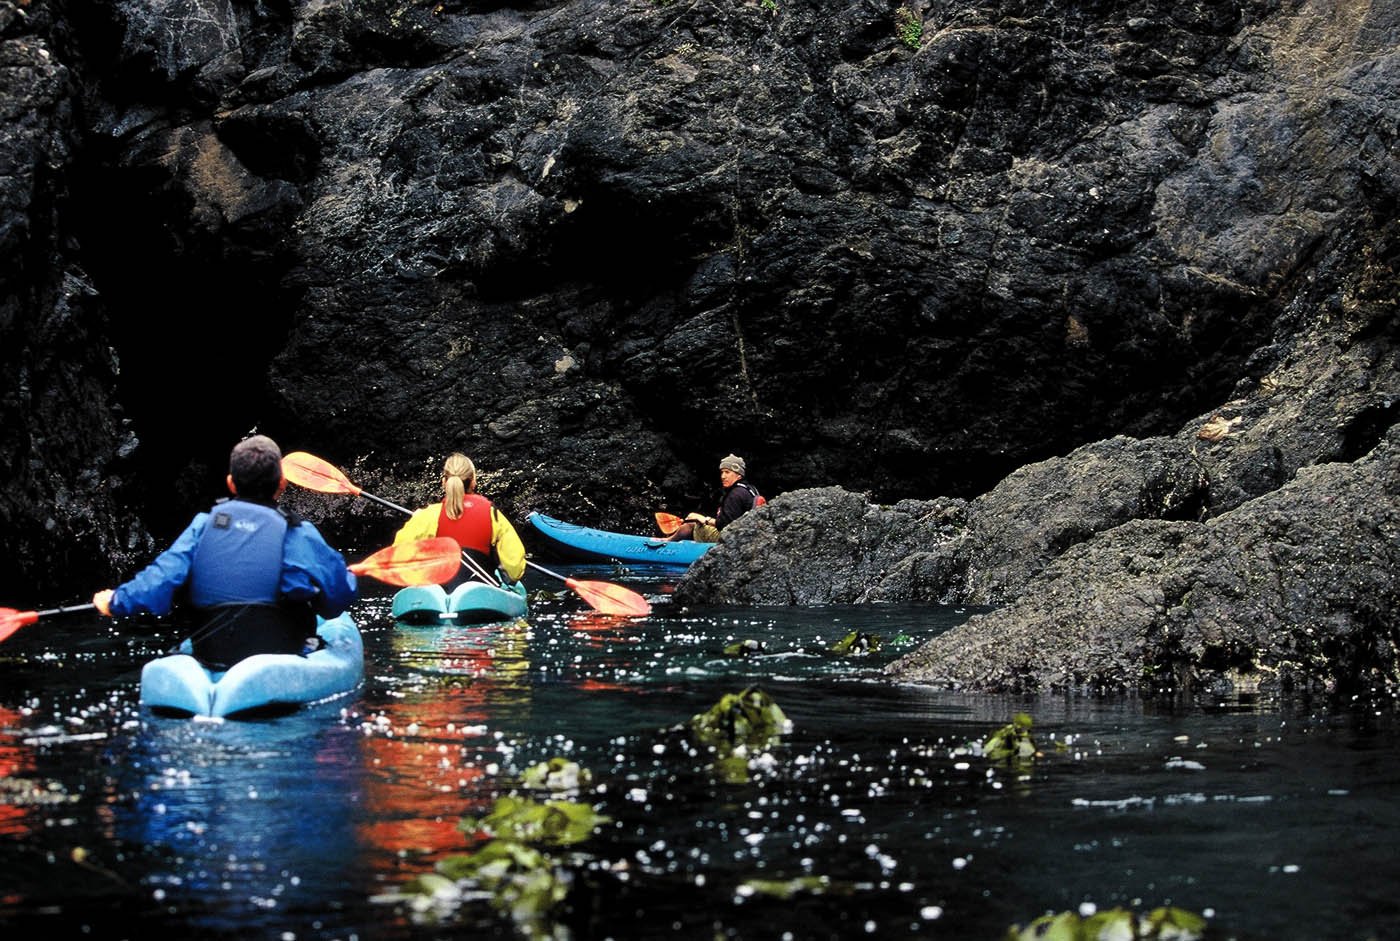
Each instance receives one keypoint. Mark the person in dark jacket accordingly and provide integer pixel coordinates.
(739, 497)
(254, 575)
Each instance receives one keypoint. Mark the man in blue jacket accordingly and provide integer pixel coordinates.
(255, 575)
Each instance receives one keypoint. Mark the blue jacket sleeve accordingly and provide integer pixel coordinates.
(313, 571)
(152, 590)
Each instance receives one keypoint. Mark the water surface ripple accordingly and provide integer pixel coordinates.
(114, 822)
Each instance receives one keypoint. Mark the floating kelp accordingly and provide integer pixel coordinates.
(750, 719)
(1116, 924)
(520, 879)
(429, 896)
(744, 648)
(83, 858)
(558, 775)
(543, 596)
(857, 644)
(1011, 742)
(737, 724)
(553, 823)
(788, 888)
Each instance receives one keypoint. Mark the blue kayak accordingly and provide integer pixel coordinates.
(469, 603)
(599, 545)
(180, 684)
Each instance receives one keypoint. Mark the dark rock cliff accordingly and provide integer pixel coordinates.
(1256, 551)
(899, 249)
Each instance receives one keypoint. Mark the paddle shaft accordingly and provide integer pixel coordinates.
(604, 597)
(540, 568)
(72, 609)
(11, 620)
(472, 564)
(393, 506)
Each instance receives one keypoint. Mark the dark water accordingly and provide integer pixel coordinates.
(117, 824)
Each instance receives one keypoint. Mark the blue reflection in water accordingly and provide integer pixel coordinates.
(114, 822)
(253, 818)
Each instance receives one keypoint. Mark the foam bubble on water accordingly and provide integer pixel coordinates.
(1120, 804)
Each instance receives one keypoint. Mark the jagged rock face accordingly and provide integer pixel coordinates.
(1255, 552)
(598, 245)
(822, 545)
(60, 430)
(1296, 592)
(850, 259)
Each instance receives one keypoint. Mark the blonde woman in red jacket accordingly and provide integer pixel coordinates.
(470, 519)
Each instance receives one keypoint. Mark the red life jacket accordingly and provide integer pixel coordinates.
(472, 530)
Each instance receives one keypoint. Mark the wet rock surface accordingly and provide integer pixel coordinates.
(1252, 553)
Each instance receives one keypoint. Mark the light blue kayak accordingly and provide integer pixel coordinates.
(180, 684)
(469, 603)
(580, 543)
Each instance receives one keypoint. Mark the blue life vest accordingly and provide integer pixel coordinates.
(235, 576)
(239, 556)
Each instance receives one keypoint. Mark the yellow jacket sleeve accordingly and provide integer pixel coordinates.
(509, 549)
(421, 525)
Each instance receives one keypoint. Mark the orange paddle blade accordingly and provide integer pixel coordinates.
(668, 522)
(607, 598)
(423, 562)
(309, 471)
(12, 620)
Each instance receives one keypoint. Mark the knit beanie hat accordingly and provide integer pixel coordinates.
(734, 463)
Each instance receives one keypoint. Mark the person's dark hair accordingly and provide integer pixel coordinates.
(256, 467)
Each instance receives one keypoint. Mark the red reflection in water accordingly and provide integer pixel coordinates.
(607, 628)
(428, 751)
(604, 631)
(16, 761)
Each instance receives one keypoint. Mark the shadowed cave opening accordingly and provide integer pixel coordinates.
(194, 327)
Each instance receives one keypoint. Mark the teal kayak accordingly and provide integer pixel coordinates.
(179, 684)
(580, 543)
(469, 603)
